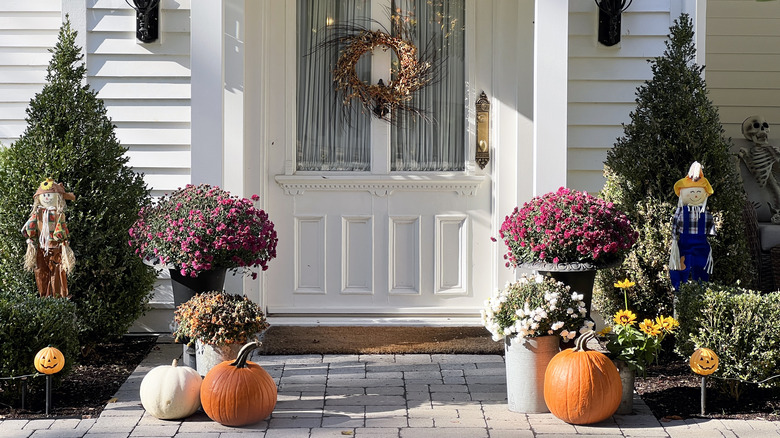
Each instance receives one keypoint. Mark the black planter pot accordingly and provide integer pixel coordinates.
(578, 276)
(185, 287)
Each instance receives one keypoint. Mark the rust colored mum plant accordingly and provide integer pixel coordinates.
(200, 228)
(218, 318)
(567, 226)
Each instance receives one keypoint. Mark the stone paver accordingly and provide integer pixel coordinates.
(377, 396)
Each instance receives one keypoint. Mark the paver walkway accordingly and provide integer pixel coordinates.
(399, 396)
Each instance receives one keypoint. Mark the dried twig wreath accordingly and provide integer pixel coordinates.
(414, 71)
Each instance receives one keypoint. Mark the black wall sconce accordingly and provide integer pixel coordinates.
(609, 20)
(147, 19)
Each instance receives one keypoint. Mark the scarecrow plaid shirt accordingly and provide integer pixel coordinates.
(678, 221)
(58, 229)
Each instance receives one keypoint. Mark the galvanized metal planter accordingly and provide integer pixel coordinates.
(526, 361)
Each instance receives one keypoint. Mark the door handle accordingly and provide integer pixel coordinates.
(483, 131)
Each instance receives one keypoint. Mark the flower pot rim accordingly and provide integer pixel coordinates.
(568, 266)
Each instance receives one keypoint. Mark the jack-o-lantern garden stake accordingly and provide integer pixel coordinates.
(704, 362)
(49, 361)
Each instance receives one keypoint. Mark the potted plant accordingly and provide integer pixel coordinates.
(202, 229)
(569, 234)
(533, 315)
(633, 346)
(218, 324)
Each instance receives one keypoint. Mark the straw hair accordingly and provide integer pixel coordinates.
(30, 262)
(68, 259)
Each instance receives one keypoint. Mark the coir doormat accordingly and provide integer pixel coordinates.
(378, 340)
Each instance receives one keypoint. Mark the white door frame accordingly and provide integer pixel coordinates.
(520, 126)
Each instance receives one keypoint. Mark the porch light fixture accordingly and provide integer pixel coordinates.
(609, 20)
(147, 19)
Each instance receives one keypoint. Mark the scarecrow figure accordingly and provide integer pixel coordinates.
(691, 255)
(48, 253)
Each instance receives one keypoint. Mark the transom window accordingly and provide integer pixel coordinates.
(330, 140)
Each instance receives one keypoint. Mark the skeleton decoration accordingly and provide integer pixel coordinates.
(762, 158)
(775, 212)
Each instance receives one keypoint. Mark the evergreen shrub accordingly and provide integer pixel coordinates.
(30, 323)
(738, 325)
(70, 138)
(673, 125)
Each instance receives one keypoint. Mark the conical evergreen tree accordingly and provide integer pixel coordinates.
(70, 138)
(674, 124)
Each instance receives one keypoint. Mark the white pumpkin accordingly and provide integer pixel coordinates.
(171, 392)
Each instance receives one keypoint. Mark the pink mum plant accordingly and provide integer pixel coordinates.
(567, 226)
(200, 228)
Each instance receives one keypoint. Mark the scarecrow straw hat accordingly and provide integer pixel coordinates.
(695, 178)
(49, 186)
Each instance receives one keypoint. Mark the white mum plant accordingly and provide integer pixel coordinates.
(536, 306)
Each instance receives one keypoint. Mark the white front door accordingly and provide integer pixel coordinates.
(376, 239)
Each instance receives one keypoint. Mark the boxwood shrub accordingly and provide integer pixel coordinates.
(30, 323)
(739, 325)
(70, 138)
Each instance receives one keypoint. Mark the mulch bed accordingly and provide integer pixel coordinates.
(673, 391)
(85, 391)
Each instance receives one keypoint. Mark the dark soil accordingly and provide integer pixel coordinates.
(88, 387)
(673, 391)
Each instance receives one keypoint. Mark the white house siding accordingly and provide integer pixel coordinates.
(743, 61)
(146, 87)
(27, 30)
(603, 81)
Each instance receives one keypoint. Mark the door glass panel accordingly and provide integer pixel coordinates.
(330, 140)
(437, 140)
(326, 139)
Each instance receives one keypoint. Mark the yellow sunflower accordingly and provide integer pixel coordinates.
(625, 317)
(648, 327)
(625, 284)
(668, 323)
(47, 184)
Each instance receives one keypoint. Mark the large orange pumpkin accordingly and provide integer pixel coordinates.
(582, 386)
(238, 393)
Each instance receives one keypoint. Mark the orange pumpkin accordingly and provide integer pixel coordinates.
(238, 393)
(49, 360)
(582, 386)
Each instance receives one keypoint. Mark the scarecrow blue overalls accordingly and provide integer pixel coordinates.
(691, 255)
(695, 251)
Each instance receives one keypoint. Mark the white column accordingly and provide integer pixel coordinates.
(697, 9)
(551, 51)
(505, 56)
(233, 115)
(207, 58)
